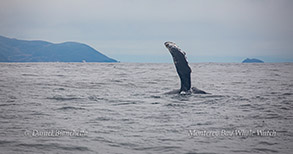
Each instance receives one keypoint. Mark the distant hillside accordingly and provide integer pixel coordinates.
(13, 50)
(253, 60)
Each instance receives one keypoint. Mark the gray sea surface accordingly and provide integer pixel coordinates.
(122, 108)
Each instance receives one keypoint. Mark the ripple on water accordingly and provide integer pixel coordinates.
(54, 147)
(62, 98)
(97, 98)
(9, 104)
(265, 150)
(70, 108)
(273, 116)
(266, 143)
(6, 142)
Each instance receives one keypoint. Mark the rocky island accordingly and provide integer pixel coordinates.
(253, 60)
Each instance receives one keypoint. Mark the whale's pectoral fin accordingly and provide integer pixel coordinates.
(181, 64)
(185, 81)
(183, 69)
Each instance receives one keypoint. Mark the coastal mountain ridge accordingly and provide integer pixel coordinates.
(14, 50)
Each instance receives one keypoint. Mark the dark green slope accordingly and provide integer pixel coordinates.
(13, 50)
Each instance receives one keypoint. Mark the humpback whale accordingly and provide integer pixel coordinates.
(183, 70)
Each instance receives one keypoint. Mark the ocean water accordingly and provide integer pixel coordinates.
(123, 108)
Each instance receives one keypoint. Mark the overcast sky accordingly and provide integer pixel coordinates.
(135, 30)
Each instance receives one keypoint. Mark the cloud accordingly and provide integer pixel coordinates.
(201, 27)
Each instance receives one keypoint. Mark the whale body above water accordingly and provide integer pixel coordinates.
(183, 70)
